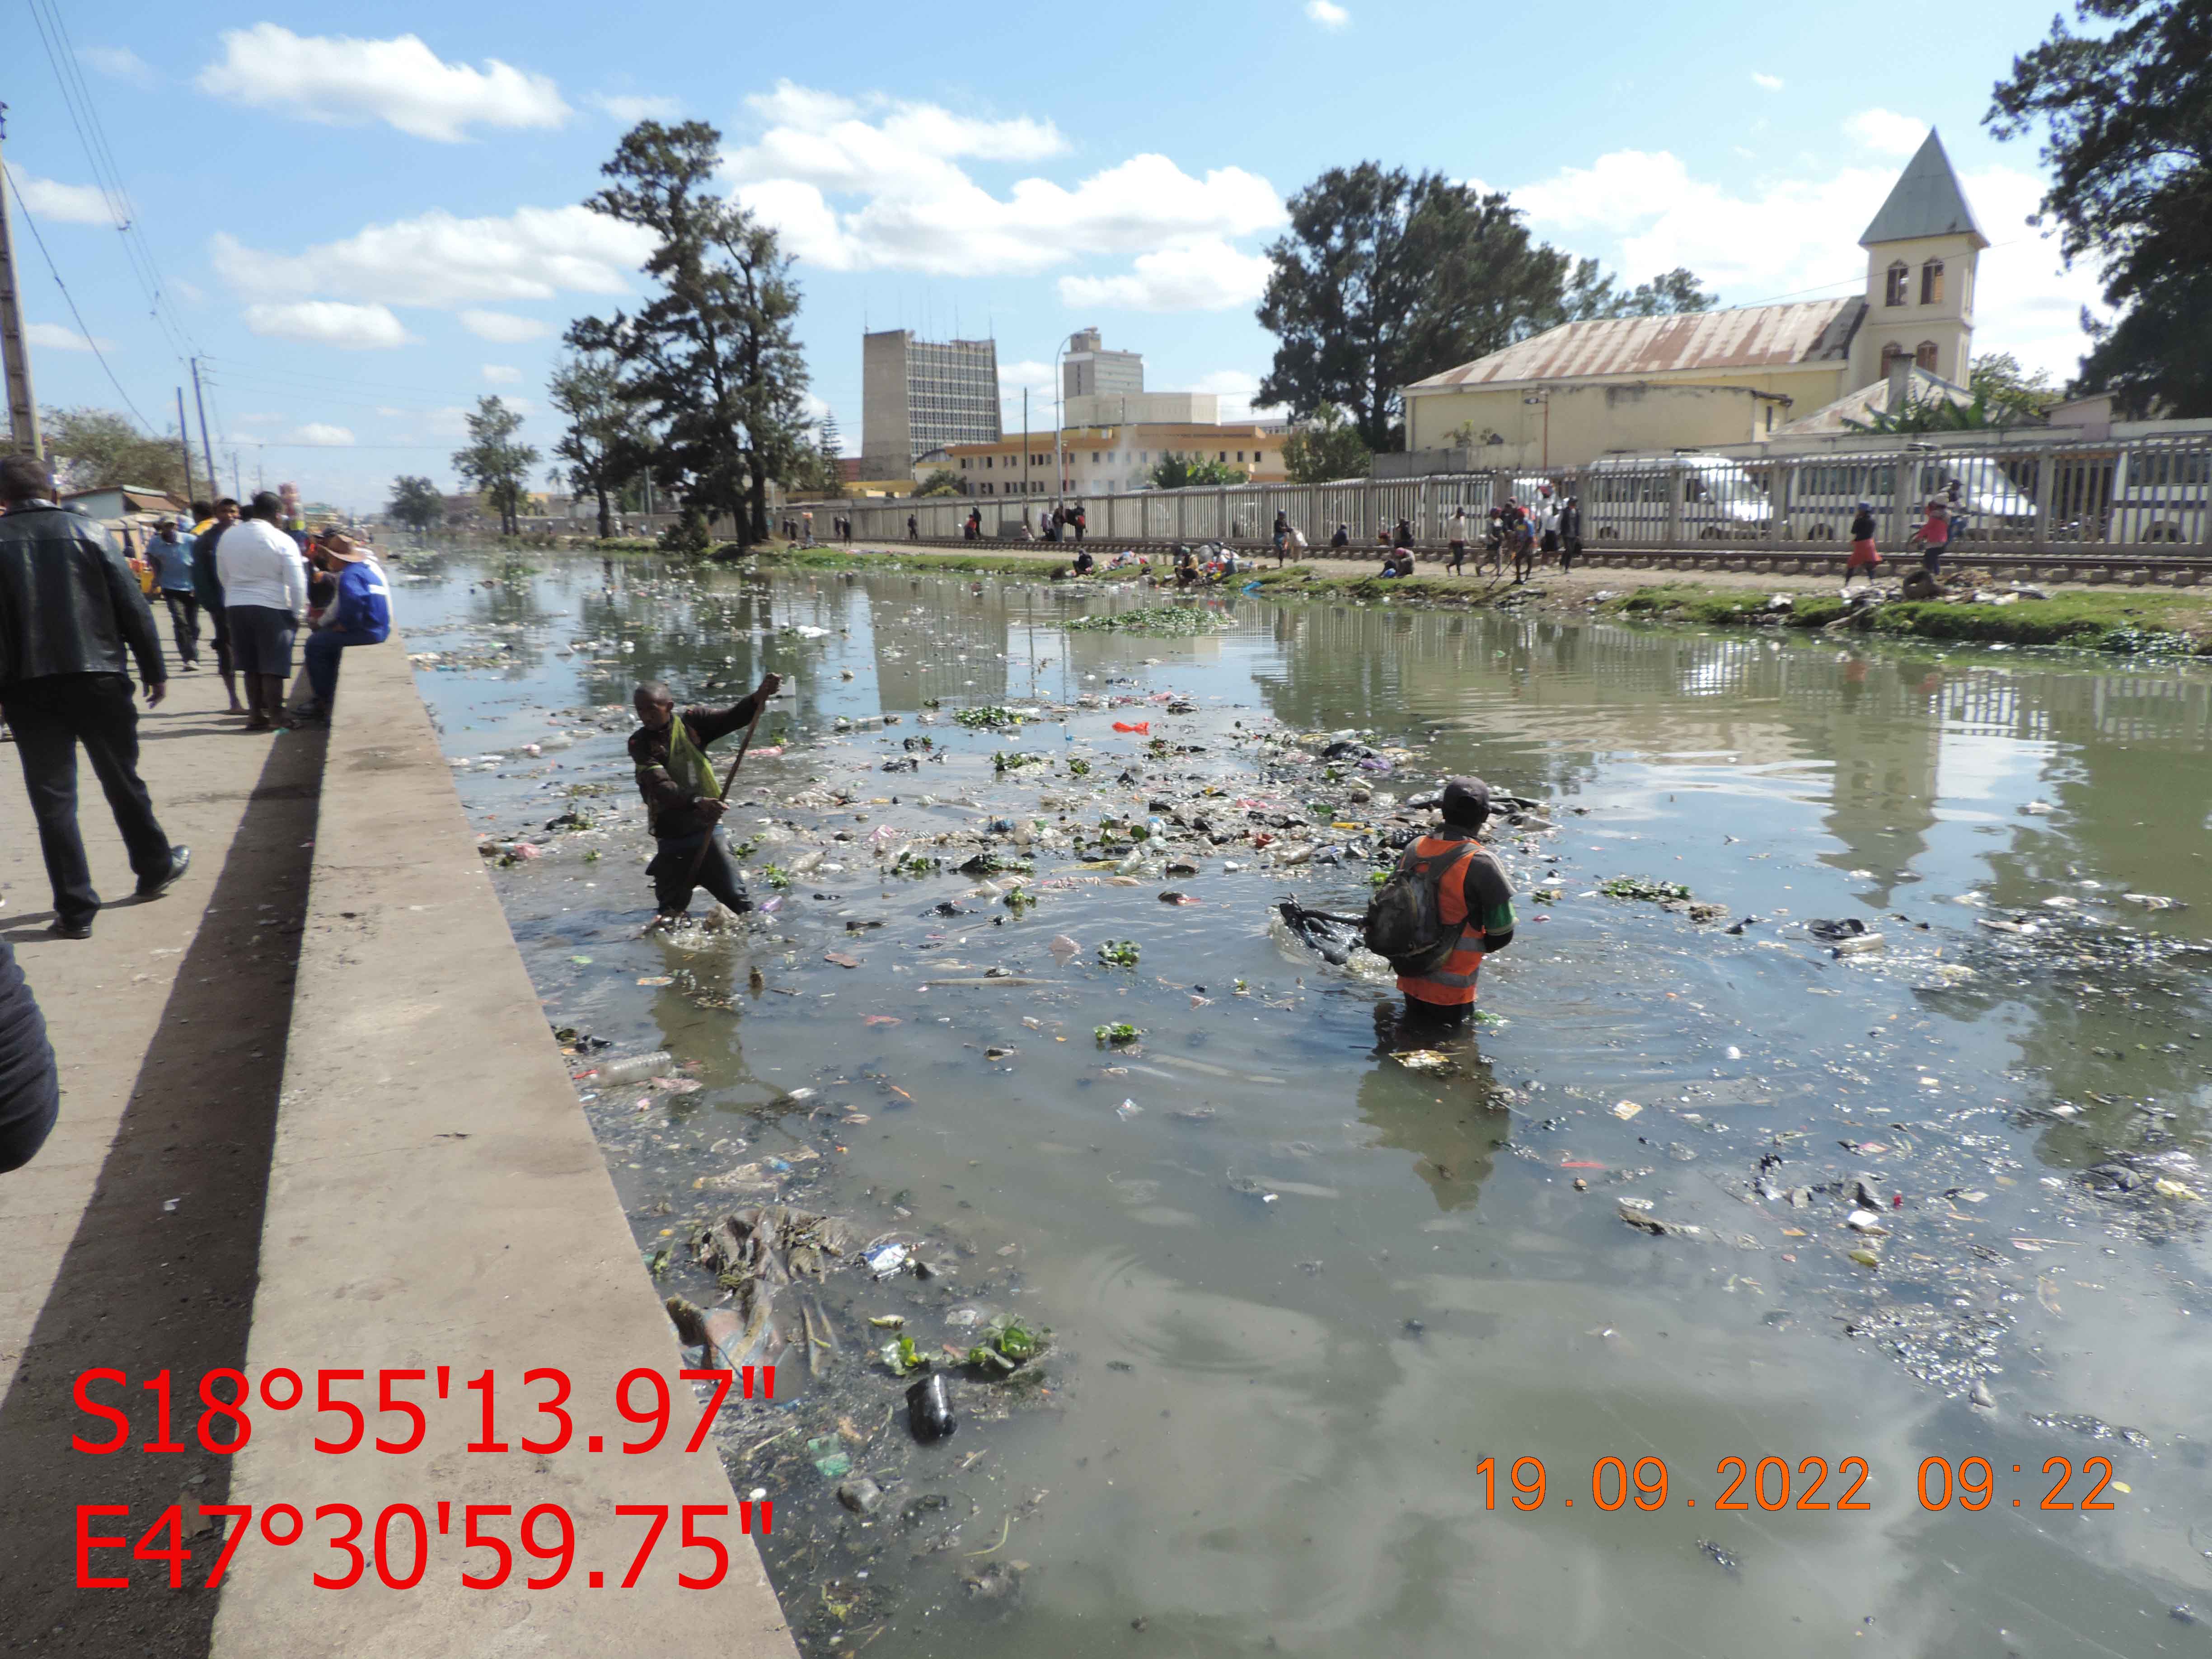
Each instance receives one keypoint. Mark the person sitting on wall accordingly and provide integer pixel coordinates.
(1341, 542)
(361, 614)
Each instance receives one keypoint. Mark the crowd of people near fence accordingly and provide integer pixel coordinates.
(242, 584)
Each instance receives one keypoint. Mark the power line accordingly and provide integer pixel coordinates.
(38, 237)
(84, 115)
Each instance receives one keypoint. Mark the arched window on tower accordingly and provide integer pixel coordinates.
(1931, 283)
(1924, 356)
(1900, 281)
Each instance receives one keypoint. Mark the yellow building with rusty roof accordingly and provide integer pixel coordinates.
(1630, 385)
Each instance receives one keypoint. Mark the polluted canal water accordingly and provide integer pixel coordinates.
(1805, 1251)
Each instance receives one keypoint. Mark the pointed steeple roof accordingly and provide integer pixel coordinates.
(1926, 201)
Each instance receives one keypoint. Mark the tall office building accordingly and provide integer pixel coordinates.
(1090, 370)
(919, 395)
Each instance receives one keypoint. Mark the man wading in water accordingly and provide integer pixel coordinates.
(683, 797)
(1470, 901)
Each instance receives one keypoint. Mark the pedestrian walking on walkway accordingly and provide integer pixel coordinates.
(171, 556)
(71, 619)
(209, 522)
(264, 589)
(1865, 555)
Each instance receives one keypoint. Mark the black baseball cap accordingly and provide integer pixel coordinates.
(1464, 800)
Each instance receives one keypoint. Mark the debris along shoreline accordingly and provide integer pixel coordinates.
(991, 919)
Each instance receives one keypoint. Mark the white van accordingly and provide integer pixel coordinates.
(2159, 494)
(1985, 501)
(1631, 498)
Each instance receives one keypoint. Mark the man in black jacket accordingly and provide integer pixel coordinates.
(30, 1095)
(683, 801)
(71, 617)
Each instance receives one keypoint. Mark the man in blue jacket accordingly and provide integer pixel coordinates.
(360, 615)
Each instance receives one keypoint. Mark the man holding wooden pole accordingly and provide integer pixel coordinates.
(683, 802)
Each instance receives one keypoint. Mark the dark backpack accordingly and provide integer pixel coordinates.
(1404, 924)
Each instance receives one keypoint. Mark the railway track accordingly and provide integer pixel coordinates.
(2133, 569)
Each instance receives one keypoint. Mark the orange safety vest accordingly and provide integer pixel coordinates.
(1439, 859)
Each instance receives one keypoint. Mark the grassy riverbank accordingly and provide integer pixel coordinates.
(2087, 619)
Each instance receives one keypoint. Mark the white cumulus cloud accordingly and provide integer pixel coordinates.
(120, 61)
(439, 260)
(56, 337)
(629, 108)
(321, 435)
(1203, 275)
(503, 327)
(502, 373)
(1645, 212)
(1329, 16)
(879, 185)
(1767, 82)
(73, 204)
(1885, 132)
(330, 322)
(344, 81)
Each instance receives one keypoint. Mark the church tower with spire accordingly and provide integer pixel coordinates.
(1922, 249)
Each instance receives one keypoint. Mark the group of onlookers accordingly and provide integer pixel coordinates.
(74, 620)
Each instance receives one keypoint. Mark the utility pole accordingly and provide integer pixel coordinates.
(207, 449)
(185, 443)
(23, 405)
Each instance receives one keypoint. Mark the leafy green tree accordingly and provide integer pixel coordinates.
(711, 359)
(1181, 471)
(942, 482)
(1386, 277)
(2126, 113)
(1591, 293)
(1325, 447)
(416, 502)
(494, 463)
(99, 449)
(603, 444)
(1998, 377)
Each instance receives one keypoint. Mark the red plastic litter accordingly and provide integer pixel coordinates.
(1143, 727)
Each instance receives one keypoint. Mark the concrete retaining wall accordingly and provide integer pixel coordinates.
(437, 1199)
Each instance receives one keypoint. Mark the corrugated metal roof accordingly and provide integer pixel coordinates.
(1869, 401)
(1749, 337)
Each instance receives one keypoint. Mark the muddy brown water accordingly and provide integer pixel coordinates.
(1313, 1311)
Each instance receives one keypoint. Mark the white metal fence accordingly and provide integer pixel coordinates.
(2149, 495)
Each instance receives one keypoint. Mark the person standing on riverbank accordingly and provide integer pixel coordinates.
(72, 617)
(265, 587)
(1469, 895)
(683, 801)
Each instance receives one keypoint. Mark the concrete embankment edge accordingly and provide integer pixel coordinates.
(437, 1199)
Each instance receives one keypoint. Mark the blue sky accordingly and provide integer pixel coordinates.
(365, 216)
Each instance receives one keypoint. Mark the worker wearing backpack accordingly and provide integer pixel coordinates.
(1447, 906)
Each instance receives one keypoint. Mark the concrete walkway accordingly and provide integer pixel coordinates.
(130, 1240)
(429, 1195)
